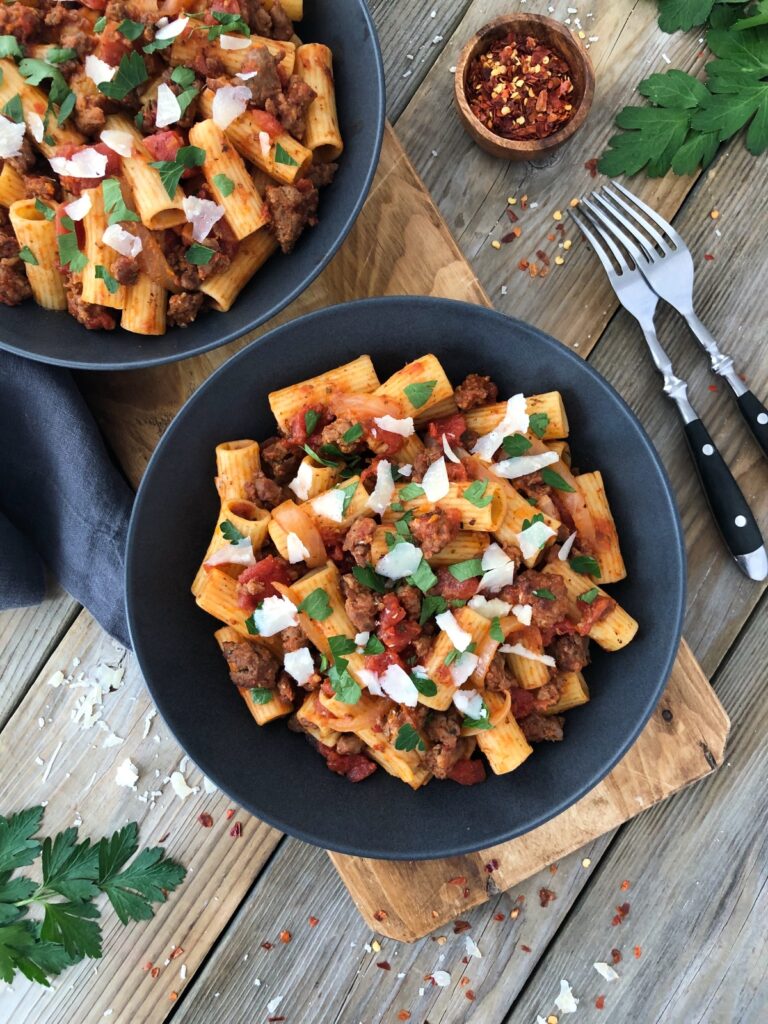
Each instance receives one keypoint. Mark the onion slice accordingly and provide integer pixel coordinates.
(295, 520)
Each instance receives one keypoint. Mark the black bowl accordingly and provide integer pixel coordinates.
(346, 27)
(274, 773)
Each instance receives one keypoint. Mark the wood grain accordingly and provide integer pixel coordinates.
(698, 872)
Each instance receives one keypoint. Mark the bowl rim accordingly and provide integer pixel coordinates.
(378, 81)
(531, 147)
(372, 307)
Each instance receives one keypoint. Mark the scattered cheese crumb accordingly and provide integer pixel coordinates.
(273, 1004)
(495, 244)
(47, 771)
(605, 971)
(148, 722)
(665, 58)
(180, 787)
(586, 862)
(566, 1001)
(56, 679)
(127, 774)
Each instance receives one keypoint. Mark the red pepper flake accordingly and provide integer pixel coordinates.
(285, 936)
(512, 216)
(600, 1003)
(624, 885)
(176, 951)
(404, 1015)
(314, 921)
(461, 926)
(266, 945)
(520, 898)
(621, 912)
(524, 202)
(546, 896)
(713, 387)
(275, 1020)
(164, 837)
(492, 865)
(616, 955)
(154, 972)
(236, 831)
(470, 995)
(523, 265)
(385, 965)
(526, 949)
(380, 915)
(205, 820)
(551, 237)
(458, 880)
(709, 256)
(147, 966)
(638, 952)
(230, 813)
(512, 235)
(591, 166)
(545, 260)
(173, 996)
(499, 917)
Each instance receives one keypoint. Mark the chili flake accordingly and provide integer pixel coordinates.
(385, 965)
(176, 951)
(173, 996)
(230, 813)
(380, 915)
(526, 949)
(154, 972)
(624, 885)
(499, 917)
(520, 88)
(236, 831)
(266, 945)
(546, 896)
(621, 912)
(470, 995)
(285, 936)
(458, 880)
(404, 1015)
(708, 257)
(600, 1003)
(492, 865)
(712, 387)
(638, 952)
(205, 820)
(591, 166)
(461, 926)
(314, 921)
(616, 955)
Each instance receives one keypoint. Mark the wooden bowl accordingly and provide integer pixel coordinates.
(557, 37)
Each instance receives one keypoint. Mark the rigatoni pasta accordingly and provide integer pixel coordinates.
(428, 618)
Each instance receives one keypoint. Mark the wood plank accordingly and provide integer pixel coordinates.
(27, 638)
(399, 245)
(80, 785)
(471, 188)
(698, 872)
(411, 40)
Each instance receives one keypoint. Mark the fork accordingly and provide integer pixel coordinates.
(670, 273)
(729, 507)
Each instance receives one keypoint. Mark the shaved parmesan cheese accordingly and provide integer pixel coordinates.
(401, 561)
(370, 680)
(402, 427)
(523, 652)
(229, 102)
(275, 615)
(499, 569)
(245, 76)
(127, 774)
(302, 482)
(449, 452)
(330, 505)
(168, 109)
(119, 142)
(78, 208)
(511, 469)
(566, 1002)
(532, 540)
(181, 788)
(202, 214)
(171, 29)
(234, 42)
(447, 622)
(606, 971)
(35, 125)
(471, 947)
(361, 639)
(398, 686)
(265, 143)
(463, 667)
(435, 482)
(382, 493)
(121, 241)
(441, 978)
(98, 70)
(112, 740)
(495, 608)
(523, 613)
(470, 703)
(239, 553)
(565, 550)
(514, 421)
(88, 163)
(295, 549)
(494, 557)
(299, 665)
(405, 470)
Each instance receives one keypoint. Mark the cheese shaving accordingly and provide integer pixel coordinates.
(435, 482)
(180, 786)
(229, 102)
(606, 971)
(171, 29)
(565, 550)
(88, 163)
(202, 214)
(265, 144)
(98, 70)
(511, 469)
(78, 208)
(330, 504)
(299, 665)
(168, 108)
(35, 125)
(566, 1001)
(295, 548)
(403, 427)
(533, 539)
(470, 704)
(275, 615)
(401, 561)
(523, 613)
(523, 652)
(302, 482)
(450, 454)
(234, 42)
(398, 686)
(514, 421)
(382, 493)
(239, 553)
(446, 621)
(489, 609)
(122, 241)
(127, 774)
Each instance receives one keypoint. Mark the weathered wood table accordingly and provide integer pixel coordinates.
(694, 869)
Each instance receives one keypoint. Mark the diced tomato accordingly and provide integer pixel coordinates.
(369, 474)
(395, 631)
(379, 663)
(78, 185)
(384, 442)
(255, 583)
(450, 427)
(523, 702)
(297, 429)
(592, 613)
(455, 590)
(62, 230)
(354, 767)
(164, 145)
(562, 628)
(264, 122)
(467, 773)
(112, 45)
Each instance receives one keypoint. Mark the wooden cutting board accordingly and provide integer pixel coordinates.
(400, 245)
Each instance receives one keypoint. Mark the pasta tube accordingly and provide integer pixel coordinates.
(314, 65)
(144, 307)
(98, 255)
(608, 552)
(11, 185)
(35, 100)
(156, 209)
(247, 519)
(483, 419)
(263, 713)
(254, 251)
(504, 745)
(357, 377)
(237, 462)
(473, 518)
(479, 628)
(616, 629)
(422, 389)
(185, 51)
(39, 236)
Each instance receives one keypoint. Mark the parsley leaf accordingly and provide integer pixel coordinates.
(515, 445)
(426, 687)
(157, 44)
(282, 156)
(100, 24)
(476, 723)
(9, 47)
(343, 685)
(184, 77)
(48, 212)
(310, 421)
(681, 15)
(199, 255)
(411, 491)
(224, 184)
(528, 523)
(316, 605)
(319, 458)
(476, 494)
(545, 594)
(433, 604)
(71, 925)
(58, 54)
(538, 423)
(148, 879)
(69, 867)
(364, 574)
(261, 695)
(585, 564)
(353, 434)
(228, 23)
(588, 596)
(423, 578)
(374, 645)
(14, 110)
(496, 631)
(419, 394)
(250, 625)
(17, 847)
(130, 29)
(65, 109)
(230, 532)
(104, 275)
(131, 73)
(466, 570)
(26, 254)
(170, 171)
(553, 479)
(408, 739)
(69, 253)
(455, 654)
(341, 645)
(37, 71)
(349, 493)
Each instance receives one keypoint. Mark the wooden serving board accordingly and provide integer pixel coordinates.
(400, 245)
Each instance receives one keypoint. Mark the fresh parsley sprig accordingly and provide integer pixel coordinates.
(74, 873)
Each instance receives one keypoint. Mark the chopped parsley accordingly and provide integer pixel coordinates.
(58, 54)
(14, 110)
(310, 420)
(411, 491)
(433, 604)
(69, 253)
(553, 479)
(26, 254)
(343, 685)
(408, 739)
(476, 723)
(48, 212)
(224, 184)
(341, 645)
(496, 631)
(588, 596)
(419, 394)
(130, 29)
(131, 73)
(475, 493)
(104, 275)
(466, 570)
(170, 171)
(199, 255)
(423, 578)
(538, 423)
(100, 24)
(9, 47)
(528, 523)
(183, 76)
(261, 695)
(114, 204)
(349, 493)
(545, 594)
(251, 626)
(585, 564)
(282, 156)
(515, 445)
(316, 605)
(66, 108)
(426, 687)
(230, 532)
(228, 23)
(354, 433)
(364, 574)
(158, 44)
(374, 645)
(455, 654)
(319, 458)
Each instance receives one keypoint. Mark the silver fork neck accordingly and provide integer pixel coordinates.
(721, 364)
(674, 387)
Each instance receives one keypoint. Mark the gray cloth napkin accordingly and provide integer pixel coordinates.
(63, 503)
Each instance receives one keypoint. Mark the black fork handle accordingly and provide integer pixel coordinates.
(756, 417)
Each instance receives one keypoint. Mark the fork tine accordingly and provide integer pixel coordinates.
(610, 226)
(643, 245)
(634, 219)
(656, 217)
(599, 241)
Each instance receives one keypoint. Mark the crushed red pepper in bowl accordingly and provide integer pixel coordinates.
(520, 88)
